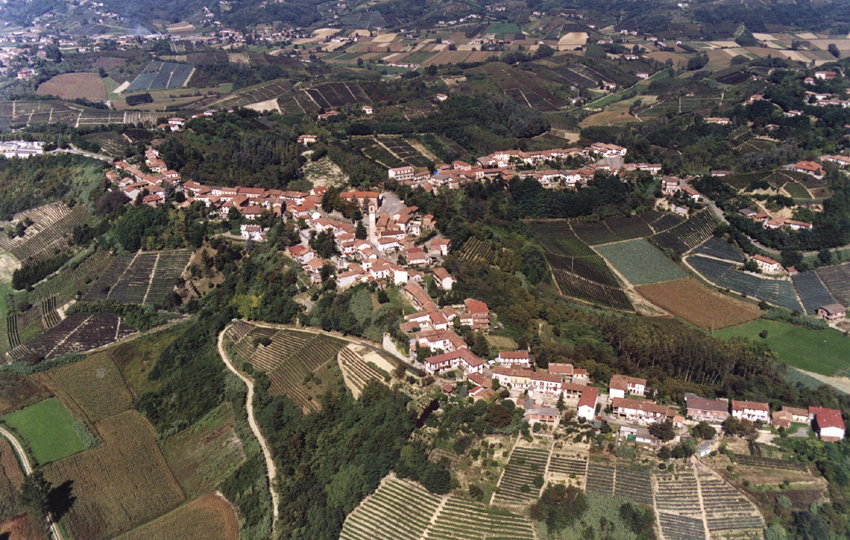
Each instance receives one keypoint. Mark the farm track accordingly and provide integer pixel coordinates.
(255, 428)
(55, 533)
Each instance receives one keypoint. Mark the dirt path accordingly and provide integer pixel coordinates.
(839, 383)
(249, 406)
(25, 461)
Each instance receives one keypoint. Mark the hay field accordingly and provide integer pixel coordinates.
(95, 385)
(73, 86)
(120, 485)
(572, 40)
(208, 518)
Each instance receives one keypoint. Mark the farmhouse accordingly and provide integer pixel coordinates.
(641, 410)
(828, 423)
(621, 385)
(572, 390)
(781, 419)
(515, 358)
(307, 139)
(608, 150)
(464, 358)
(444, 280)
(587, 403)
(440, 246)
(809, 167)
(751, 410)
(710, 410)
(841, 161)
(832, 312)
(767, 265)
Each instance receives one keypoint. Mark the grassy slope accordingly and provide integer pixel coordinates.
(48, 428)
(826, 352)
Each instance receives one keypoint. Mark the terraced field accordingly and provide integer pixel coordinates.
(404, 510)
(288, 358)
(689, 234)
(146, 278)
(51, 229)
(727, 510)
(524, 465)
(77, 333)
(356, 370)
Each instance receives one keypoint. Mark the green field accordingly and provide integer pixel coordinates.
(822, 351)
(48, 428)
(503, 28)
(640, 262)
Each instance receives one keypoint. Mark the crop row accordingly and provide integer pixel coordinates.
(677, 495)
(65, 284)
(837, 281)
(524, 465)
(813, 293)
(717, 248)
(689, 234)
(41, 246)
(477, 250)
(77, 333)
(565, 466)
(591, 291)
(357, 370)
(770, 463)
(675, 527)
(726, 275)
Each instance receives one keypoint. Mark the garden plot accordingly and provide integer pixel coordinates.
(726, 275)
(770, 463)
(517, 483)
(684, 237)
(837, 281)
(52, 225)
(288, 359)
(640, 262)
(812, 292)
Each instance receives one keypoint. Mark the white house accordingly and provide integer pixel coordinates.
(751, 410)
(828, 423)
(587, 403)
(549, 383)
(450, 360)
(621, 385)
(767, 265)
(521, 358)
(444, 280)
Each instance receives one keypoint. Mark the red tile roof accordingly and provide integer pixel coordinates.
(588, 397)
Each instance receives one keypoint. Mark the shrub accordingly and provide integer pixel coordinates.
(538, 481)
(525, 489)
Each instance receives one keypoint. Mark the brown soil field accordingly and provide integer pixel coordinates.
(693, 302)
(18, 392)
(95, 385)
(109, 62)
(121, 484)
(11, 478)
(74, 85)
(208, 518)
(21, 528)
(608, 118)
(205, 454)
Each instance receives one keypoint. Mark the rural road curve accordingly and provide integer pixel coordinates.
(54, 529)
(249, 405)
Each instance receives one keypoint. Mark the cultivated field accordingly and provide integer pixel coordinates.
(403, 510)
(36, 113)
(640, 262)
(288, 359)
(78, 333)
(477, 250)
(22, 528)
(51, 228)
(837, 281)
(65, 284)
(525, 464)
(693, 302)
(715, 247)
(812, 292)
(18, 391)
(632, 484)
(205, 454)
(726, 275)
(566, 252)
(73, 86)
(94, 384)
(120, 485)
(356, 371)
(11, 478)
(332, 96)
(689, 234)
(146, 278)
(208, 518)
(48, 429)
(160, 76)
(794, 344)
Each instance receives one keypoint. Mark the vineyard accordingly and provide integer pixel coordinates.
(813, 293)
(403, 510)
(356, 371)
(524, 465)
(727, 510)
(121, 484)
(477, 250)
(640, 262)
(631, 484)
(64, 285)
(778, 292)
(837, 281)
(717, 248)
(288, 358)
(146, 278)
(695, 303)
(590, 291)
(679, 510)
(11, 478)
(689, 234)
(770, 463)
(77, 333)
(52, 225)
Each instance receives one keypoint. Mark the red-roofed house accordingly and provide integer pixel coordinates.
(587, 403)
(477, 314)
(444, 280)
(809, 167)
(767, 265)
(828, 423)
(514, 358)
(641, 410)
(621, 385)
(751, 410)
(450, 360)
(545, 382)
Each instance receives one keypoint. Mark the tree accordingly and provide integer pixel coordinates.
(35, 495)
(833, 50)
(561, 405)
(703, 430)
(360, 232)
(559, 506)
(663, 430)
(498, 416)
(480, 347)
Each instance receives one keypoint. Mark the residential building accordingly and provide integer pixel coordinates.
(641, 410)
(515, 358)
(809, 167)
(401, 173)
(828, 423)
(513, 377)
(832, 312)
(753, 411)
(710, 410)
(572, 390)
(638, 435)
(621, 385)
(444, 280)
(587, 403)
(542, 413)
(418, 297)
(767, 265)
(670, 184)
(463, 358)
(477, 314)
(797, 414)
(549, 383)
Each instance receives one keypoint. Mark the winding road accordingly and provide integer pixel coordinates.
(25, 461)
(249, 406)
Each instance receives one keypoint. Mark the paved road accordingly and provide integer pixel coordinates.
(25, 460)
(249, 405)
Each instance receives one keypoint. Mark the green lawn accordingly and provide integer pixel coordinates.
(826, 351)
(48, 428)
